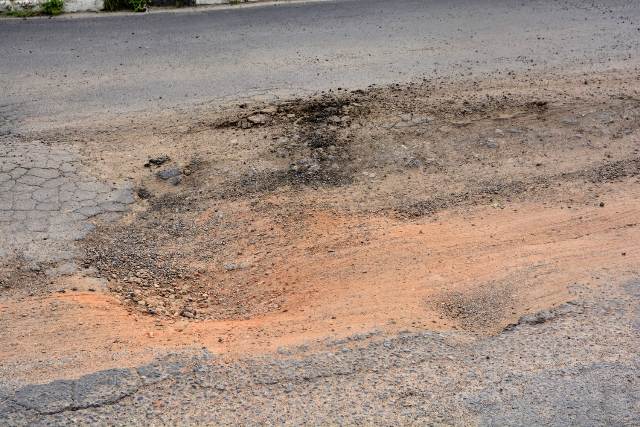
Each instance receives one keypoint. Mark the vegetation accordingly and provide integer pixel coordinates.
(112, 5)
(138, 5)
(49, 7)
(135, 5)
(52, 7)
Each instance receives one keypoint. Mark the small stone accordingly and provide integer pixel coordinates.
(271, 109)
(601, 204)
(231, 266)
(143, 193)
(258, 119)
(157, 161)
(168, 173)
(188, 313)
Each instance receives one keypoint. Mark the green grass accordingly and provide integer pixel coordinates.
(52, 7)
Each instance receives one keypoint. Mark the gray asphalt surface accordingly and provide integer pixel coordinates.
(56, 69)
(577, 365)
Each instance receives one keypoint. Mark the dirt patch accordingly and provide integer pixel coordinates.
(213, 245)
(312, 136)
(428, 206)
(477, 272)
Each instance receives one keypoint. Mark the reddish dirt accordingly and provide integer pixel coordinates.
(477, 272)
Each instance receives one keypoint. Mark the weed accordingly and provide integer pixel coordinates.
(113, 5)
(138, 5)
(135, 5)
(52, 7)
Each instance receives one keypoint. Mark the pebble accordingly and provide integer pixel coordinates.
(258, 119)
(168, 173)
(157, 161)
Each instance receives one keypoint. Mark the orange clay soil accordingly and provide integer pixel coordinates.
(478, 271)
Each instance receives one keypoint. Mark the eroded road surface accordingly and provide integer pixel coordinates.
(190, 239)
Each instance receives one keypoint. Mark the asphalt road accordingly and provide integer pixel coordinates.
(576, 365)
(53, 70)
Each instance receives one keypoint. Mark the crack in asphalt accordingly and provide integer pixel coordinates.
(47, 200)
(102, 388)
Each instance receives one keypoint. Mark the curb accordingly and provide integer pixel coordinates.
(78, 6)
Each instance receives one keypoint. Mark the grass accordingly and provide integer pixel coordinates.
(52, 7)
(135, 5)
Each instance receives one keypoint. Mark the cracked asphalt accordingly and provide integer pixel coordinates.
(47, 198)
